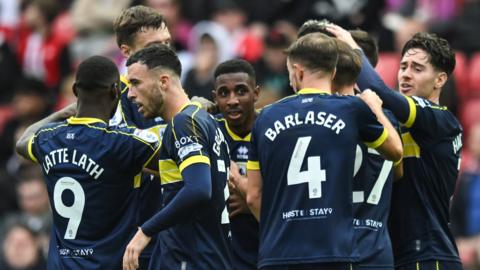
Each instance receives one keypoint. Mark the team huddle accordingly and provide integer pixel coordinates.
(344, 174)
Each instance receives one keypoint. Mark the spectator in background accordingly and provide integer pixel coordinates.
(271, 70)
(20, 249)
(42, 53)
(198, 81)
(30, 103)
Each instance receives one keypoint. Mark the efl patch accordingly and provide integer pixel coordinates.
(187, 149)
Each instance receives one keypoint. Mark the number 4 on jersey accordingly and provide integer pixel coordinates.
(314, 175)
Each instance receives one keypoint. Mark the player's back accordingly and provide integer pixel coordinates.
(371, 199)
(89, 170)
(420, 200)
(305, 145)
(200, 240)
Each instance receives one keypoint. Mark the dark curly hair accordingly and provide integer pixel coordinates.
(440, 53)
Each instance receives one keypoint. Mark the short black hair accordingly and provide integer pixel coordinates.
(367, 43)
(441, 55)
(235, 66)
(96, 72)
(157, 56)
(132, 20)
(314, 26)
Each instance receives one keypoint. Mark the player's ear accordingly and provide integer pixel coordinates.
(214, 96)
(126, 50)
(74, 89)
(256, 93)
(440, 80)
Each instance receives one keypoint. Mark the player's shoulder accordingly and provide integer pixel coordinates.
(192, 113)
(442, 112)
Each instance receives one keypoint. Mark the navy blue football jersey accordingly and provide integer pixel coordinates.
(243, 227)
(304, 147)
(201, 240)
(89, 169)
(419, 222)
(150, 190)
(372, 193)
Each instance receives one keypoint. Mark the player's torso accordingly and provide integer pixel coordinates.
(244, 227)
(204, 230)
(421, 198)
(306, 160)
(91, 190)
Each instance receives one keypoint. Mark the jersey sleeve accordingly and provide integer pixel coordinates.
(32, 149)
(430, 119)
(190, 144)
(253, 161)
(372, 133)
(145, 146)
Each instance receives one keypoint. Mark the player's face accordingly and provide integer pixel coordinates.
(235, 95)
(417, 76)
(148, 36)
(145, 90)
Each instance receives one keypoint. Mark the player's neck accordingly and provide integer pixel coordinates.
(89, 111)
(346, 90)
(245, 129)
(324, 84)
(175, 104)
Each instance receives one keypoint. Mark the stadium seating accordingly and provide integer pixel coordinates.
(387, 68)
(474, 75)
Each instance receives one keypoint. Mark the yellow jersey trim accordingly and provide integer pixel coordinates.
(137, 180)
(312, 91)
(375, 144)
(410, 147)
(412, 112)
(233, 135)
(84, 120)
(193, 160)
(253, 165)
(169, 172)
(124, 80)
(30, 152)
(396, 163)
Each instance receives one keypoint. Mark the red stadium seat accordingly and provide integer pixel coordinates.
(470, 115)
(6, 112)
(474, 75)
(461, 75)
(387, 67)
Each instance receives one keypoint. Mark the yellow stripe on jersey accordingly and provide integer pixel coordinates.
(84, 120)
(194, 160)
(30, 152)
(410, 147)
(418, 266)
(234, 136)
(137, 180)
(169, 172)
(253, 165)
(412, 112)
(124, 80)
(194, 126)
(312, 91)
(437, 265)
(375, 144)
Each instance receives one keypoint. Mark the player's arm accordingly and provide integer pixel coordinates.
(399, 104)
(23, 144)
(197, 189)
(398, 170)
(254, 189)
(391, 148)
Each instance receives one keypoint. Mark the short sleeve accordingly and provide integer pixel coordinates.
(372, 133)
(190, 144)
(32, 149)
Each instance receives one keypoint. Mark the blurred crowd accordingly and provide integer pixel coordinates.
(42, 41)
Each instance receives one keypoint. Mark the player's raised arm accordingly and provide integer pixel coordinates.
(369, 79)
(391, 148)
(24, 143)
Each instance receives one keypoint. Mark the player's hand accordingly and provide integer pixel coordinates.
(372, 99)
(237, 204)
(237, 181)
(133, 250)
(342, 35)
(206, 104)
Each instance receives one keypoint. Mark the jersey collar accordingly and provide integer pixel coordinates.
(236, 137)
(312, 91)
(188, 104)
(84, 120)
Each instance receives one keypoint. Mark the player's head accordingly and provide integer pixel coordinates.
(139, 27)
(236, 91)
(314, 26)
(96, 82)
(152, 72)
(314, 55)
(367, 43)
(348, 67)
(427, 61)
